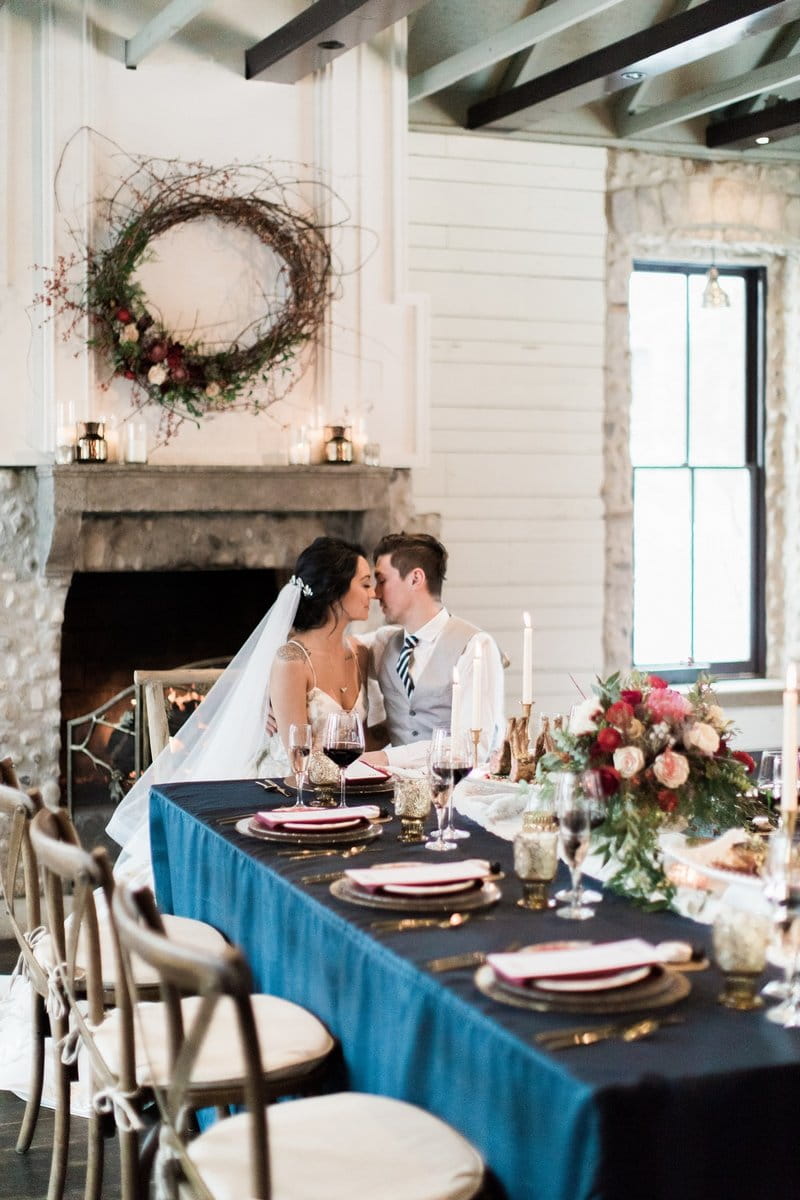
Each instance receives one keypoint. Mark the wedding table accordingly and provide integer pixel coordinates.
(706, 1108)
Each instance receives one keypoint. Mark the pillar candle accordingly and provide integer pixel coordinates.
(477, 686)
(455, 715)
(527, 660)
(789, 756)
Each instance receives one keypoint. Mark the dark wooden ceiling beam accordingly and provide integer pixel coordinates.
(320, 34)
(776, 122)
(682, 38)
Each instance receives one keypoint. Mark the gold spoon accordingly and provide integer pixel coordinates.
(403, 924)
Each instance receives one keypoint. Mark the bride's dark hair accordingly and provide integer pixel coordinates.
(326, 567)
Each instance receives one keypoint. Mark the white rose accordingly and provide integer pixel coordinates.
(129, 334)
(213, 389)
(629, 761)
(157, 374)
(716, 717)
(583, 718)
(701, 737)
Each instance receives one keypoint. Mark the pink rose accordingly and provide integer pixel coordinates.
(671, 769)
(702, 737)
(629, 761)
(664, 704)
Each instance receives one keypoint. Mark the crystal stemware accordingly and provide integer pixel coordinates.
(343, 743)
(573, 808)
(450, 761)
(592, 787)
(300, 739)
(768, 780)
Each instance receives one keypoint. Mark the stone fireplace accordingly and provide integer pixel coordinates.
(60, 525)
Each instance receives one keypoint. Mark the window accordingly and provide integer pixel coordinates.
(696, 450)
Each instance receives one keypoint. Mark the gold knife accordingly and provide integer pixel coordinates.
(627, 1031)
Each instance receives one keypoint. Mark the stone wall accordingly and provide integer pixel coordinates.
(663, 208)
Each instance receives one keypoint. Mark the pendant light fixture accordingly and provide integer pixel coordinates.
(713, 294)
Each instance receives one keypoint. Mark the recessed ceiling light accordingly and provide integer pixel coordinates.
(633, 76)
(332, 45)
(762, 141)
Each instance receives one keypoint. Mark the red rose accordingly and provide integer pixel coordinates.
(657, 682)
(745, 759)
(157, 352)
(631, 696)
(667, 800)
(620, 714)
(609, 780)
(608, 739)
(123, 315)
(179, 373)
(130, 374)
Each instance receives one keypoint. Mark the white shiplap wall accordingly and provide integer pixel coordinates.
(508, 240)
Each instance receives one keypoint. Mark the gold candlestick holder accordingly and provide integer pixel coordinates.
(475, 734)
(526, 710)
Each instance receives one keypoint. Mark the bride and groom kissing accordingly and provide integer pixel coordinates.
(302, 663)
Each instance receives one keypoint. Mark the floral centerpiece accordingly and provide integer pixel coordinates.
(661, 757)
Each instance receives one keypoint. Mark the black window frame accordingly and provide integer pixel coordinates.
(755, 283)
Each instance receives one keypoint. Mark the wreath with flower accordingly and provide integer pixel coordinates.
(194, 378)
(660, 756)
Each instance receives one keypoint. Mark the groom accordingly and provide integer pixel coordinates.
(413, 664)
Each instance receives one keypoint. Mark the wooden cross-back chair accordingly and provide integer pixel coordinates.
(126, 1048)
(152, 687)
(329, 1147)
(23, 914)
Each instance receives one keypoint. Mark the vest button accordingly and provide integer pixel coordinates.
(412, 712)
(415, 733)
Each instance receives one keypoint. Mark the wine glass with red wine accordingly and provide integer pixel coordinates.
(450, 761)
(343, 743)
(300, 737)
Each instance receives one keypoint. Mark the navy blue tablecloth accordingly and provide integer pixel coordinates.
(706, 1108)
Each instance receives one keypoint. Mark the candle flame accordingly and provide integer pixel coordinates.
(526, 617)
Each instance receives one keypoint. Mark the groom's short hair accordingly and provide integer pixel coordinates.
(409, 550)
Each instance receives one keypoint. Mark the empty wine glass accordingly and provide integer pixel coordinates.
(590, 783)
(300, 737)
(573, 808)
(768, 780)
(343, 743)
(450, 761)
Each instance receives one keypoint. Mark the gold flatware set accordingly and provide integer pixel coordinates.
(470, 958)
(624, 1031)
(405, 924)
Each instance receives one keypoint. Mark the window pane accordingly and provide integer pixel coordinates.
(662, 567)
(722, 533)
(717, 375)
(658, 368)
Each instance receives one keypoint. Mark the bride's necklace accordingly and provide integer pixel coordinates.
(327, 654)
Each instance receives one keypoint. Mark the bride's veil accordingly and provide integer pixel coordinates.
(224, 736)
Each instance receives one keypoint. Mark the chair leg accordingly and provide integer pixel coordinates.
(130, 1186)
(58, 1161)
(95, 1158)
(31, 1114)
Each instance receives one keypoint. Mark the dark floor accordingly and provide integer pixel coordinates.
(24, 1176)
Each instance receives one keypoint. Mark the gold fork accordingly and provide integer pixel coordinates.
(303, 855)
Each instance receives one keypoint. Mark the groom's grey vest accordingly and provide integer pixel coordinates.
(413, 720)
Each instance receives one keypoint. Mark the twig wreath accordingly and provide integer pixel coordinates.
(192, 379)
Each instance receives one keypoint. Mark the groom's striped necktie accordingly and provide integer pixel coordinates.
(404, 662)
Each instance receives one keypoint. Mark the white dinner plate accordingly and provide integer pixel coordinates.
(675, 846)
(595, 983)
(430, 889)
(317, 826)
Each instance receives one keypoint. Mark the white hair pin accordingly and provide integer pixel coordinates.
(298, 583)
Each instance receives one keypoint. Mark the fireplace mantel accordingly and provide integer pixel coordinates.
(106, 517)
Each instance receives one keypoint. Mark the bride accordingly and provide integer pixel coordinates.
(299, 660)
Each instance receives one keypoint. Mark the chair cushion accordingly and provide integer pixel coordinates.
(343, 1146)
(185, 930)
(293, 1042)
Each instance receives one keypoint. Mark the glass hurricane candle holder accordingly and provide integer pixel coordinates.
(536, 859)
(412, 803)
(740, 951)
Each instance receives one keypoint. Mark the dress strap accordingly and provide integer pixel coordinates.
(354, 650)
(300, 646)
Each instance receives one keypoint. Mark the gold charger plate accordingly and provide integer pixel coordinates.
(480, 897)
(365, 787)
(663, 987)
(325, 837)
